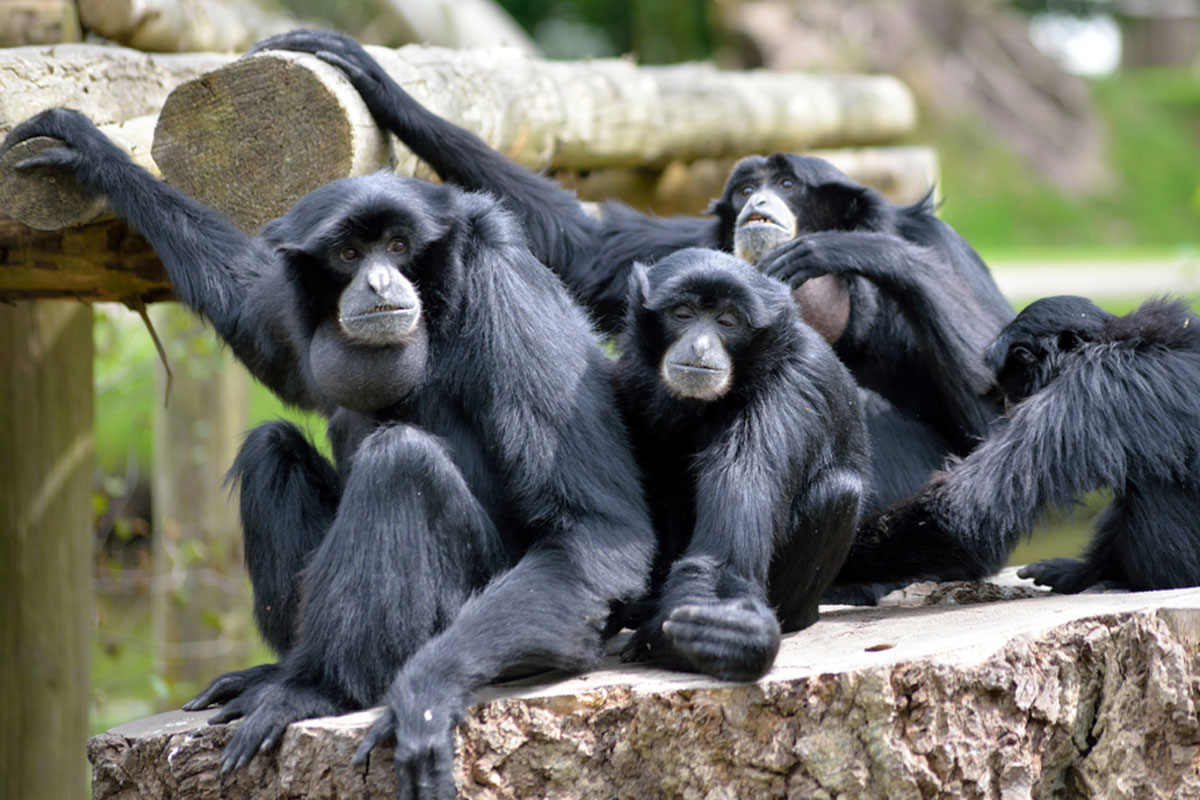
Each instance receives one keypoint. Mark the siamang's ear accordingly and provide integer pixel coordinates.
(847, 206)
(639, 284)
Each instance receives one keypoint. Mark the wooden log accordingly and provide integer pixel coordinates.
(24, 22)
(577, 115)
(1092, 695)
(460, 24)
(108, 84)
(182, 25)
(45, 199)
(106, 261)
(901, 174)
(200, 602)
(46, 535)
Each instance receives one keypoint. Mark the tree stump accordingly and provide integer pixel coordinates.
(1092, 695)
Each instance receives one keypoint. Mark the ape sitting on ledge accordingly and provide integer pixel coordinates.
(1097, 401)
(484, 517)
(753, 448)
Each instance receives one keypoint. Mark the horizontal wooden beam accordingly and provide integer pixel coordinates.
(104, 261)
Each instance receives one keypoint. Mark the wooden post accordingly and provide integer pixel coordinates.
(201, 608)
(46, 449)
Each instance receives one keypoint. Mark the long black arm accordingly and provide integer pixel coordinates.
(228, 277)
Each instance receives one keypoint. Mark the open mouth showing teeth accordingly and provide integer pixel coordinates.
(759, 219)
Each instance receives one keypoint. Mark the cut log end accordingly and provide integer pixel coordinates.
(251, 139)
(44, 198)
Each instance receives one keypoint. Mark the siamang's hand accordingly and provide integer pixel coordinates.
(1065, 575)
(734, 640)
(807, 256)
(231, 685)
(341, 51)
(420, 719)
(84, 152)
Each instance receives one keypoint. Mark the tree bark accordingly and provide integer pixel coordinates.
(181, 25)
(108, 84)
(46, 534)
(256, 118)
(1092, 695)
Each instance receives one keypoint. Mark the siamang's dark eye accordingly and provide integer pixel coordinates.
(1022, 354)
(348, 254)
(727, 320)
(747, 190)
(786, 183)
(683, 312)
(397, 245)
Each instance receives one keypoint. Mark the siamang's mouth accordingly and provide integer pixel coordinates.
(381, 310)
(694, 367)
(761, 219)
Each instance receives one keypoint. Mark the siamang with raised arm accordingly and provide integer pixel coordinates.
(484, 516)
(1096, 401)
(907, 303)
(753, 449)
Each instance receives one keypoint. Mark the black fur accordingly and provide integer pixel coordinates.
(923, 305)
(1099, 401)
(486, 523)
(755, 494)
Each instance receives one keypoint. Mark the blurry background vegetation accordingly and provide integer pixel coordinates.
(1038, 163)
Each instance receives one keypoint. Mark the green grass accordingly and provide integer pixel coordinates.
(999, 203)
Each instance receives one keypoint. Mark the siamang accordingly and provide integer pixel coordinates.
(754, 453)
(1096, 401)
(484, 516)
(907, 303)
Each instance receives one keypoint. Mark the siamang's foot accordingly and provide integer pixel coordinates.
(420, 721)
(734, 640)
(1064, 575)
(268, 710)
(224, 688)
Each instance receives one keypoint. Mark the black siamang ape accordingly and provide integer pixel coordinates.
(484, 516)
(1097, 401)
(907, 303)
(753, 446)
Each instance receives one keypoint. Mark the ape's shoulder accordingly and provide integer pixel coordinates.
(1169, 323)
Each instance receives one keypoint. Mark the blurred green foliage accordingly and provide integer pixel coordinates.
(1153, 124)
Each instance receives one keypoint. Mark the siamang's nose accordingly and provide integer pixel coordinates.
(379, 279)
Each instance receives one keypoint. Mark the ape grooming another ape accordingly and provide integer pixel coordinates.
(1097, 402)
(908, 304)
(752, 443)
(484, 516)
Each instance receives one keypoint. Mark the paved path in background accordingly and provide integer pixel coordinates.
(1098, 279)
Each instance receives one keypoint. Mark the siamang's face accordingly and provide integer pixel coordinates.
(704, 317)
(769, 200)
(1031, 349)
(357, 275)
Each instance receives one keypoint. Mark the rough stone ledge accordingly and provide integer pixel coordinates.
(1092, 695)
